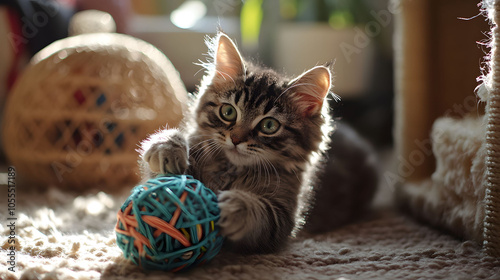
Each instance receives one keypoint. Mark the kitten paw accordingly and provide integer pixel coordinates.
(169, 156)
(236, 219)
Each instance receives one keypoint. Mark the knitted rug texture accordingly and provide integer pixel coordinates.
(60, 235)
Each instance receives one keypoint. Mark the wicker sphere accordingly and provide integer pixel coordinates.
(75, 116)
(169, 223)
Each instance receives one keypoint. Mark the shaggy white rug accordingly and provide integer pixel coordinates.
(60, 235)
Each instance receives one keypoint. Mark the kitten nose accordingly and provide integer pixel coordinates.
(236, 140)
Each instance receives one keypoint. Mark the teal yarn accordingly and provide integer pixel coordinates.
(169, 223)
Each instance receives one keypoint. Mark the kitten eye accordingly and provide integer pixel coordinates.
(269, 125)
(228, 112)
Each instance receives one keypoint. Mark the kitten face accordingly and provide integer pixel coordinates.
(254, 116)
(244, 131)
(247, 129)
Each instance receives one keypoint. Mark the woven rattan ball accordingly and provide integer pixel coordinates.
(169, 223)
(75, 116)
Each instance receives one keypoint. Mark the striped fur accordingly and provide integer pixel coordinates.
(263, 180)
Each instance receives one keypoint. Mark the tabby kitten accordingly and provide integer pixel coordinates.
(256, 139)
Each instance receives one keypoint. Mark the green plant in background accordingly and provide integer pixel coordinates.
(251, 20)
(338, 14)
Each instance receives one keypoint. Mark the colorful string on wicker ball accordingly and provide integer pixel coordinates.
(169, 223)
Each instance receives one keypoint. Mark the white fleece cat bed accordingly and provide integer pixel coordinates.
(453, 197)
(66, 236)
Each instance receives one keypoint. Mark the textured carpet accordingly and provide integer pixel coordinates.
(66, 236)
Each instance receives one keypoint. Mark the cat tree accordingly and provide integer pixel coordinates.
(447, 143)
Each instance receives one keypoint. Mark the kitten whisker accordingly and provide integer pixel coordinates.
(296, 175)
(268, 175)
(303, 158)
(255, 178)
(209, 148)
(200, 143)
(205, 150)
(278, 180)
(212, 151)
(193, 137)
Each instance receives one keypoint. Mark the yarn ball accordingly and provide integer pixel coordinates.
(169, 223)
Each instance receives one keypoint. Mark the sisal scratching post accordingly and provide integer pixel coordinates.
(492, 199)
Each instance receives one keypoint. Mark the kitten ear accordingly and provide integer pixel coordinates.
(310, 89)
(228, 62)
